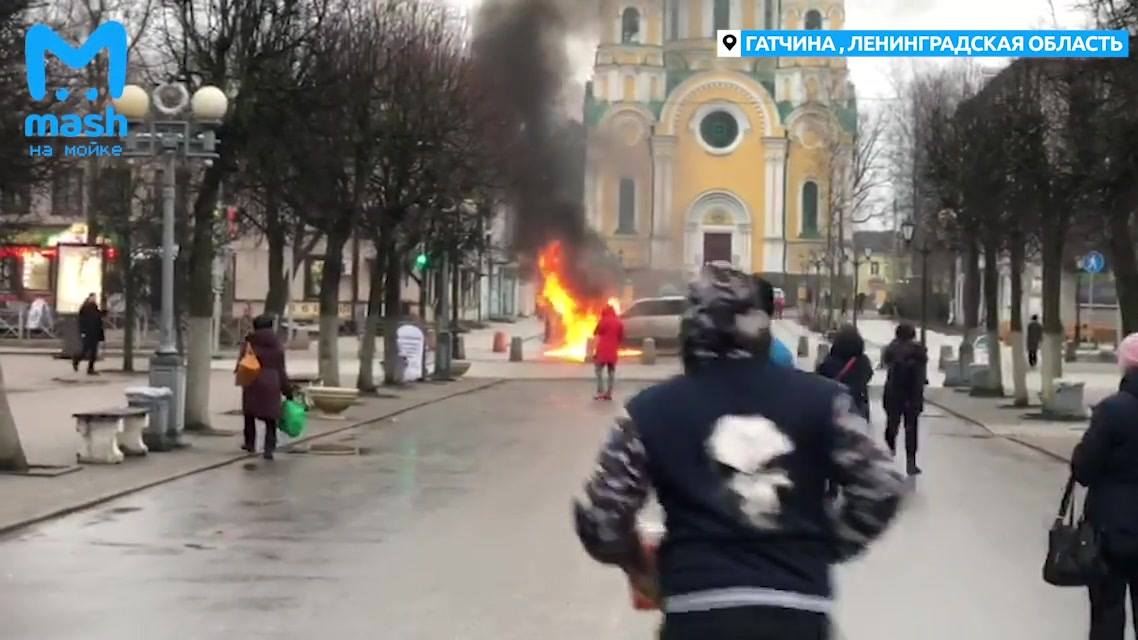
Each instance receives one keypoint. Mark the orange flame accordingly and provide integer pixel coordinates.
(577, 317)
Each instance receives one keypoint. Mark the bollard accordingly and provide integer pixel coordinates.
(803, 346)
(945, 356)
(823, 351)
(648, 351)
(459, 350)
(515, 349)
(500, 342)
(1068, 400)
(590, 349)
(953, 374)
(881, 360)
(547, 338)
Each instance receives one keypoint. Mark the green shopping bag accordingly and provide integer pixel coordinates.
(294, 415)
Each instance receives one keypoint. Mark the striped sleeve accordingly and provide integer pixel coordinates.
(617, 490)
(871, 485)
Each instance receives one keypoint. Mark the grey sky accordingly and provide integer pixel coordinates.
(871, 75)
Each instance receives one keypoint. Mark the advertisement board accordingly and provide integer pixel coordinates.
(78, 275)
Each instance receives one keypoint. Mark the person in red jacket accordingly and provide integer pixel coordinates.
(609, 335)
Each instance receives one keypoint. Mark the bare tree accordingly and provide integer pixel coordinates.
(17, 175)
(80, 18)
(945, 212)
(1014, 102)
(855, 175)
(428, 140)
(227, 43)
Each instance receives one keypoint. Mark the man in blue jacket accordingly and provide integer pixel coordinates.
(739, 452)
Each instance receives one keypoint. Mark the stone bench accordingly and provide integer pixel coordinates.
(102, 433)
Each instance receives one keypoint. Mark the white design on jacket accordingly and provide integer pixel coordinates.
(747, 445)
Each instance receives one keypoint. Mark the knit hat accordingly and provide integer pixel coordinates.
(1128, 352)
(724, 317)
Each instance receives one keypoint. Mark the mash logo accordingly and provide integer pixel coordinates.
(41, 39)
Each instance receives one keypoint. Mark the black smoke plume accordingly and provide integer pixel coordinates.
(519, 49)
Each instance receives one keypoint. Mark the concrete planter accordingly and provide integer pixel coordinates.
(332, 401)
(458, 368)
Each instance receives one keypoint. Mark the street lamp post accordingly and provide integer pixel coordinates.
(174, 133)
(908, 228)
(857, 260)
(817, 262)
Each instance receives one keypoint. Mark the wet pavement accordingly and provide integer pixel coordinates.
(453, 523)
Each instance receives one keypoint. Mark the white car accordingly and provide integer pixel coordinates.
(656, 318)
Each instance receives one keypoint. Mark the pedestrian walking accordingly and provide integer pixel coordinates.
(780, 354)
(1106, 462)
(738, 451)
(91, 333)
(1034, 339)
(609, 335)
(907, 364)
(847, 363)
(262, 398)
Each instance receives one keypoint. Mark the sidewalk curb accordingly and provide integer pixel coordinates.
(7, 529)
(960, 416)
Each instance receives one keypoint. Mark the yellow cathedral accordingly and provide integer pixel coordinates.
(692, 158)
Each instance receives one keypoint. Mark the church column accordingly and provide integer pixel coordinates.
(693, 248)
(590, 190)
(595, 174)
(663, 151)
(774, 235)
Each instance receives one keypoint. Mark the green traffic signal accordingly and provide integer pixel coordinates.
(421, 261)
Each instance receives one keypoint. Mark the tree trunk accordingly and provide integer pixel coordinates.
(199, 350)
(971, 302)
(1052, 354)
(392, 311)
(455, 292)
(1124, 265)
(366, 380)
(275, 237)
(129, 293)
(1019, 349)
(11, 451)
(995, 384)
(328, 347)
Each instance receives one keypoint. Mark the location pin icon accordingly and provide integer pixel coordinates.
(729, 41)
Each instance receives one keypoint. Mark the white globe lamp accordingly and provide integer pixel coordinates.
(209, 104)
(134, 103)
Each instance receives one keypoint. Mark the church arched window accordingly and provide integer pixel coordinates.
(722, 14)
(630, 25)
(626, 220)
(813, 19)
(810, 208)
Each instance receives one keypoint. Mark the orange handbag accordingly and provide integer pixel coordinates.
(248, 367)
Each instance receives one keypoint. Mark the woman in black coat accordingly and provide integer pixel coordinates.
(848, 364)
(1106, 462)
(261, 400)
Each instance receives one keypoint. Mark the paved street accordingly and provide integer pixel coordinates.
(454, 523)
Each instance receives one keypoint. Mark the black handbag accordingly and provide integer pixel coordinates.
(1074, 550)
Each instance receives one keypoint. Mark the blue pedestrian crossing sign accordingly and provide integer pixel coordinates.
(1093, 262)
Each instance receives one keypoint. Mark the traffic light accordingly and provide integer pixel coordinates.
(421, 262)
